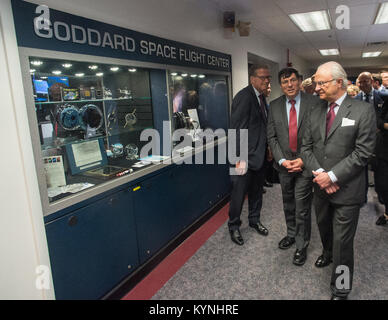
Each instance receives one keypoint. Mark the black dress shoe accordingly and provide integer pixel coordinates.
(259, 228)
(236, 237)
(333, 297)
(286, 242)
(268, 184)
(382, 220)
(322, 261)
(300, 257)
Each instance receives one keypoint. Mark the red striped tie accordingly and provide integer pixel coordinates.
(293, 127)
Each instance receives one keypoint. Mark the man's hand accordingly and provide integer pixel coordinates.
(287, 164)
(296, 165)
(332, 189)
(241, 167)
(322, 179)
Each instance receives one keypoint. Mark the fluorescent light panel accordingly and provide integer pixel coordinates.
(329, 52)
(382, 15)
(371, 54)
(311, 21)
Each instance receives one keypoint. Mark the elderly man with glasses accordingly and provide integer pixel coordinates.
(339, 138)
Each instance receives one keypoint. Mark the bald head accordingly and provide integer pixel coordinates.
(365, 80)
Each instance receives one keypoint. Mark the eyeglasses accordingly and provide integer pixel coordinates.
(293, 80)
(264, 77)
(322, 83)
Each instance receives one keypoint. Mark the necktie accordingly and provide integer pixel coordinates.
(330, 117)
(366, 97)
(263, 107)
(293, 127)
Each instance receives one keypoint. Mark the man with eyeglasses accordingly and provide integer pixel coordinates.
(286, 126)
(249, 111)
(339, 138)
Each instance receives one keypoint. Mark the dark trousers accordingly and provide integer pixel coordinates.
(297, 196)
(251, 183)
(381, 181)
(337, 226)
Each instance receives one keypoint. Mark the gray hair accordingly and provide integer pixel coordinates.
(337, 72)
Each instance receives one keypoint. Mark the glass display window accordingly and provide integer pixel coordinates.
(90, 117)
(198, 101)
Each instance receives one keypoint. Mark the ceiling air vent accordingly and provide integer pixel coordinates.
(373, 44)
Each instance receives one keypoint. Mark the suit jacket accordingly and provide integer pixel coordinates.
(278, 129)
(246, 114)
(378, 99)
(345, 151)
(382, 136)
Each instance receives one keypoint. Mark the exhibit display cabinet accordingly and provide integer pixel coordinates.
(125, 129)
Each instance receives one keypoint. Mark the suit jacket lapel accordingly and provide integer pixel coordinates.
(343, 111)
(302, 109)
(283, 112)
(322, 127)
(257, 104)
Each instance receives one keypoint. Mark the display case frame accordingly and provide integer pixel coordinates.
(50, 208)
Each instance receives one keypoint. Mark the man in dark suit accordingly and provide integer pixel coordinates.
(374, 97)
(249, 112)
(381, 173)
(368, 93)
(286, 125)
(339, 138)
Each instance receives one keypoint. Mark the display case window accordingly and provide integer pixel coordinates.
(90, 117)
(199, 100)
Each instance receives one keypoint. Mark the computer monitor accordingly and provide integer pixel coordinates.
(41, 86)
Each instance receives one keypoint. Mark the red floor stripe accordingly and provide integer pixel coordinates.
(151, 284)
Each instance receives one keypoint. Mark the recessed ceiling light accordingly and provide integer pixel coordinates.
(43, 77)
(311, 21)
(114, 69)
(36, 63)
(371, 54)
(382, 14)
(201, 76)
(329, 52)
(56, 72)
(32, 70)
(100, 74)
(184, 74)
(132, 69)
(174, 74)
(67, 65)
(94, 67)
(193, 76)
(79, 74)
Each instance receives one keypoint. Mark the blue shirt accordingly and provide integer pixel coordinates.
(288, 108)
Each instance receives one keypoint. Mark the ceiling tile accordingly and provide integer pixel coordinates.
(291, 39)
(320, 36)
(297, 6)
(349, 3)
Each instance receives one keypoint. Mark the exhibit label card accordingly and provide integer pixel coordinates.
(55, 173)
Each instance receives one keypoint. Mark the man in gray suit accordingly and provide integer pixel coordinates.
(286, 125)
(339, 138)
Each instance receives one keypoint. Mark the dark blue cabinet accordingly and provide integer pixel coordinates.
(94, 248)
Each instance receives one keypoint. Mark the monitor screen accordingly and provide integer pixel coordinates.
(41, 86)
(53, 79)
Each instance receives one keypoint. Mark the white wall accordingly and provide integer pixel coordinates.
(23, 244)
